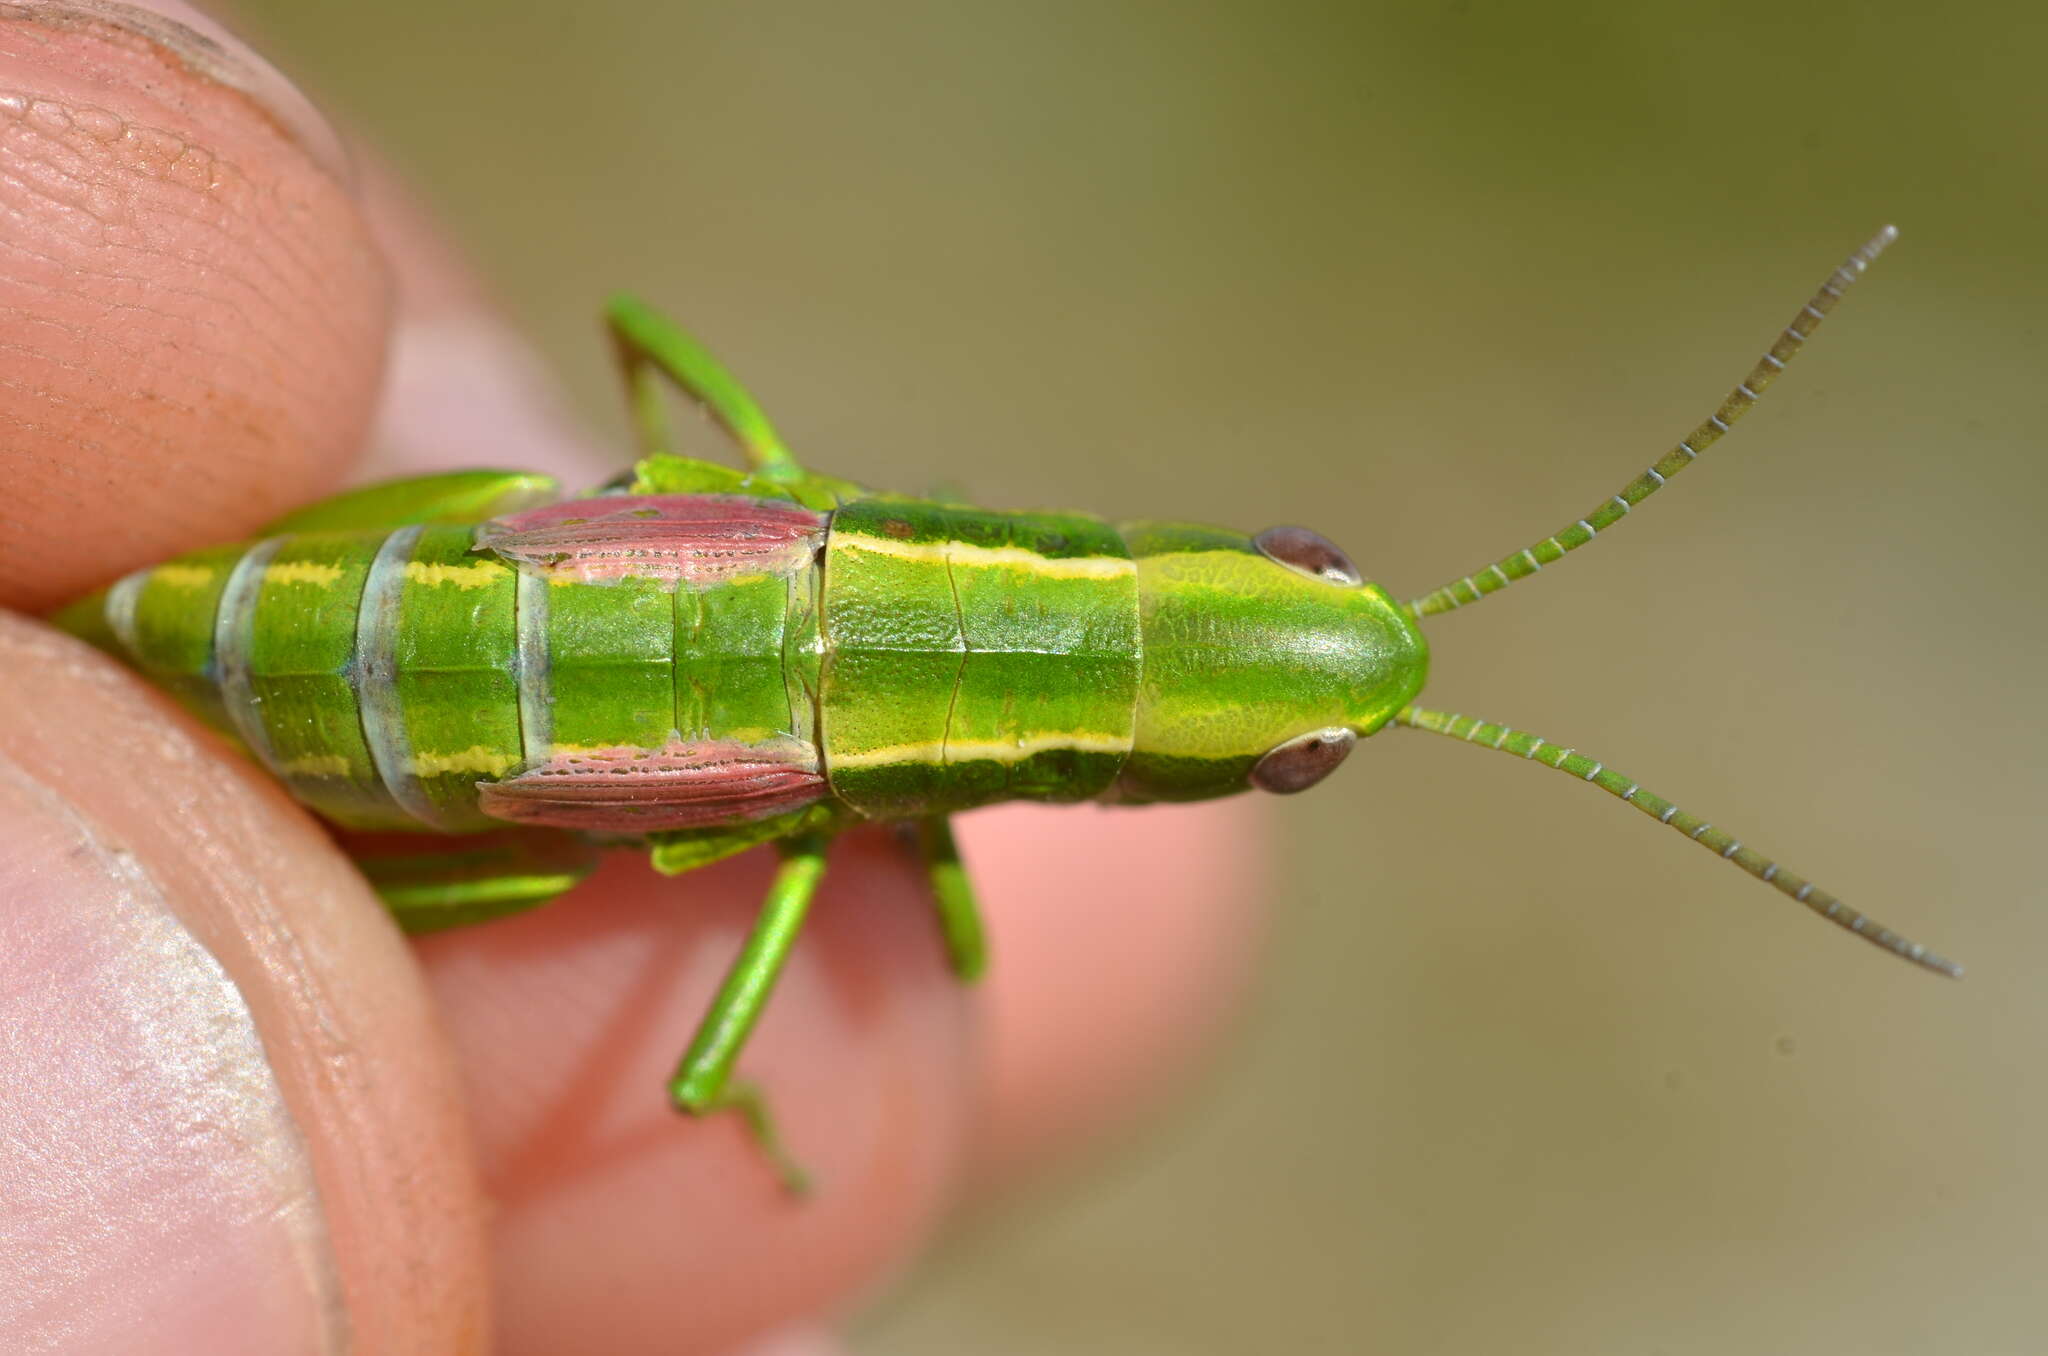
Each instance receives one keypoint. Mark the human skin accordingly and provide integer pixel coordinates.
(243, 1114)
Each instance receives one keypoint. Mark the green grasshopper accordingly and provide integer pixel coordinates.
(697, 659)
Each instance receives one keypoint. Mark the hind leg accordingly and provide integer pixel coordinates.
(457, 497)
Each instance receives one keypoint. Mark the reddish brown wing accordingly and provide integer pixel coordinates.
(693, 540)
(635, 791)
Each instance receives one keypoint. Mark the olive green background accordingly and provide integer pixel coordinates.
(1523, 1073)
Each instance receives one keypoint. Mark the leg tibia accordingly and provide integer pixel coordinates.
(959, 915)
(703, 1080)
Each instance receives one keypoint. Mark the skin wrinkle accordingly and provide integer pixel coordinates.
(228, 1110)
(198, 46)
(226, 189)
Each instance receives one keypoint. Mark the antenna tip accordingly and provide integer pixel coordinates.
(1877, 244)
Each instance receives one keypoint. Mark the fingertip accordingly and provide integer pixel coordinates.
(196, 309)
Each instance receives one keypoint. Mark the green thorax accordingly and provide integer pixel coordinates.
(973, 656)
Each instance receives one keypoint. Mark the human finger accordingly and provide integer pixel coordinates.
(194, 310)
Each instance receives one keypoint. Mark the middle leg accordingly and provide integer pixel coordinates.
(703, 1081)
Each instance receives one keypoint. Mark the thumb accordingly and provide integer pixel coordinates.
(230, 1123)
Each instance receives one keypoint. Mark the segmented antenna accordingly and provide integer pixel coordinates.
(1722, 844)
(1526, 562)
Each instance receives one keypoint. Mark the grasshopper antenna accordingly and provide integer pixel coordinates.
(1526, 562)
(1720, 843)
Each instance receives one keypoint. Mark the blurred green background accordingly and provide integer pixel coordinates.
(1523, 1073)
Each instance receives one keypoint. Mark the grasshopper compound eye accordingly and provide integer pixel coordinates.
(1309, 552)
(1302, 761)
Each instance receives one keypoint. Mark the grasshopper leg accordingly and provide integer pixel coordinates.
(703, 1081)
(650, 347)
(455, 882)
(953, 892)
(458, 497)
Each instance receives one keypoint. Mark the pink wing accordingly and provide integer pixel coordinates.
(682, 786)
(696, 540)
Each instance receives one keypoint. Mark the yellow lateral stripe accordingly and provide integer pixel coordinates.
(316, 765)
(475, 759)
(300, 572)
(976, 751)
(182, 576)
(767, 742)
(1009, 557)
(480, 575)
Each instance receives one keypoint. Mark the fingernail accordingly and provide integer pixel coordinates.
(201, 45)
(155, 1181)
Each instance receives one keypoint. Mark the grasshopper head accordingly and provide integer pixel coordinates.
(1265, 658)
